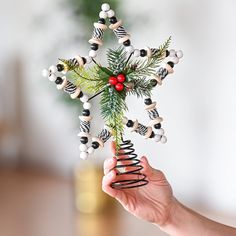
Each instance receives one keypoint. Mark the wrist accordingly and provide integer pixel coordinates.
(182, 221)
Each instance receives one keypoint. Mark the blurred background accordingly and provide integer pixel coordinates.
(45, 189)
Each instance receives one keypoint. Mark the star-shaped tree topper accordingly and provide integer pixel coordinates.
(130, 71)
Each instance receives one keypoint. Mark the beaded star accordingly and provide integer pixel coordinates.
(130, 71)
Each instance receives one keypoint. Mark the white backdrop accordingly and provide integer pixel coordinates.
(197, 102)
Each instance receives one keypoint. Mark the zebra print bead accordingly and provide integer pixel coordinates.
(153, 114)
(120, 32)
(85, 126)
(162, 72)
(154, 51)
(73, 62)
(104, 135)
(141, 129)
(70, 87)
(97, 33)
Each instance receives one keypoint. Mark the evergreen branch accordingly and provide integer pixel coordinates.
(113, 107)
(68, 64)
(148, 67)
(141, 87)
(116, 60)
(163, 48)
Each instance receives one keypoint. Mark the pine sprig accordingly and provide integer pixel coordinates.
(113, 107)
(116, 60)
(88, 79)
(163, 48)
(68, 64)
(148, 67)
(142, 87)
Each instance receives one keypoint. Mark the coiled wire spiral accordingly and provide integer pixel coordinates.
(128, 168)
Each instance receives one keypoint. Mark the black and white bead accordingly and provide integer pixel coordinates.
(105, 134)
(139, 128)
(98, 142)
(99, 28)
(155, 120)
(118, 29)
(85, 121)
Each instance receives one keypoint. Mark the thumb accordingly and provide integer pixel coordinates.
(147, 169)
(151, 173)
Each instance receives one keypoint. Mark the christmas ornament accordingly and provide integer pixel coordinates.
(130, 71)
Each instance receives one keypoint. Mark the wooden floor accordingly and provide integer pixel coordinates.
(37, 204)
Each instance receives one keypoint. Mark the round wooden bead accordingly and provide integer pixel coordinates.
(129, 49)
(84, 140)
(52, 77)
(53, 69)
(83, 147)
(157, 138)
(136, 53)
(175, 60)
(172, 53)
(160, 131)
(92, 53)
(45, 73)
(103, 14)
(148, 101)
(105, 7)
(110, 13)
(87, 105)
(90, 150)
(163, 139)
(179, 54)
(84, 155)
(84, 98)
(88, 59)
(96, 139)
(63, 84)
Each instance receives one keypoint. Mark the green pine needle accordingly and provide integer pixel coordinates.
(113, 107)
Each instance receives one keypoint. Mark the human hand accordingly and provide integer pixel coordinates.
(152, 202)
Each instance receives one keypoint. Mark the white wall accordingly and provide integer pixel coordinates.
(197, 102)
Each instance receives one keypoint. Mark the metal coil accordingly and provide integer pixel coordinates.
(128, 168)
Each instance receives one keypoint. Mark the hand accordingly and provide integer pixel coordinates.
(152, 202)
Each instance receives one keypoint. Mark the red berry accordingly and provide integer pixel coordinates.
(119, 86)
(113, 80)
(121, 78)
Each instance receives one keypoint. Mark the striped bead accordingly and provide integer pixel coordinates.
(70, 88)
(162, 72)
(97, 33)
(104, 135)
(85, 126)
(141, 129)
(153, 114)
(120, 32)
